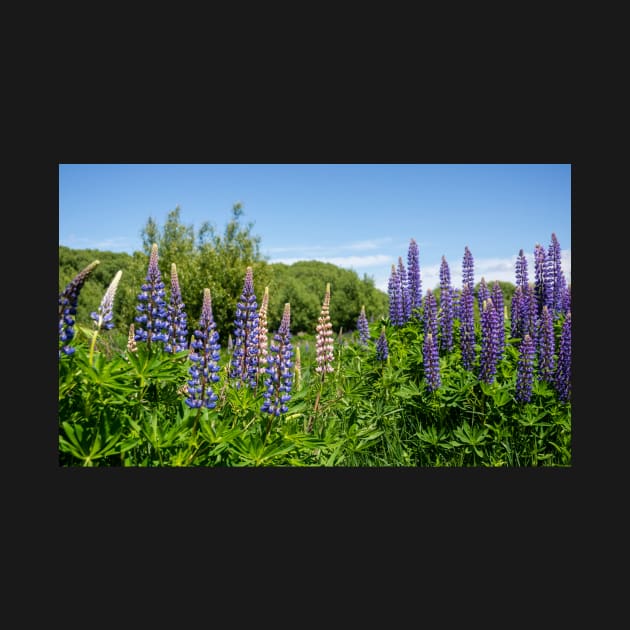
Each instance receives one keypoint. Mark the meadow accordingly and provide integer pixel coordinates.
(456, 377)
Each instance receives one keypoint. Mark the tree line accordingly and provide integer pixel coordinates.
(218, 260)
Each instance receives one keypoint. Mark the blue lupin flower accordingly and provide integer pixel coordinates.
(562, 379)
(516, 316)
(446, 312)
(496, 295)
(467, 327)
(396, 313)
(404, 290)
(429, 315)
(363, 327)
(382, 349)
(279, 373)
(546, 347)
(483, 293)
(244, 363)
(152, 305)
(204, 355)
(68, 300)
(541, 279)
(177, 320)
(525, 370)
(522, 279)
(556, 277)
(414, 282)
(431, 361)
(489, 345)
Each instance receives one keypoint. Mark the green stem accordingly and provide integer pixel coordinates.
(92, 346)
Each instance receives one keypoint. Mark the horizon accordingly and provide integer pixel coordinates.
(494, 209)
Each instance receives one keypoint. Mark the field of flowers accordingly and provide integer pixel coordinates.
(452, 377)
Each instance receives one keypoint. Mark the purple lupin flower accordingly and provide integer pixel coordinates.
(525, 370)
(468, 270)
(204, 355)
(414, 283)
(530, 316)
(404, 290)
(382, 349)
(489, 354)
(431, 361)
(446, 312)
(396, 313)
(496, 295)
(522, 279)
(68, 300)
(466, 310)
(541, 279)
(562, 379)
(457, 297)
(324, 340)
(467, 328)
(516, 307)
(244, 361)
(429, 315)
(280, 375)
(152, 305)
(483, 293)
(556, 278)
(177, 320)
(546, 347)
(363, 327)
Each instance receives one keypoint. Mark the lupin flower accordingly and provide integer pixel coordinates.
(204, 355)
(468, 270)
(562, 379)
(429, 315)
(521, 271)
(467, 312)
(516, 316)
(555, 277)
(382, 349)
(177, 320)
(263, 333)
(489, 345)
(324, 339)
(404, 290)
(467, 327)
(414, 282)
(132, 346)
(496, 295)
(105, 314)
(431, 361)
(546, 347)
(280, 376)
(541, 279)
(297, 370)
(446, 312)
(530, 321)
(483, 293)
(68, 300)
(525, 370)
(152, 305)
(245, 358)
(396, 312)
(363, 327)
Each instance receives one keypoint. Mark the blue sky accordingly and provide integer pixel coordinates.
(358, 216)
